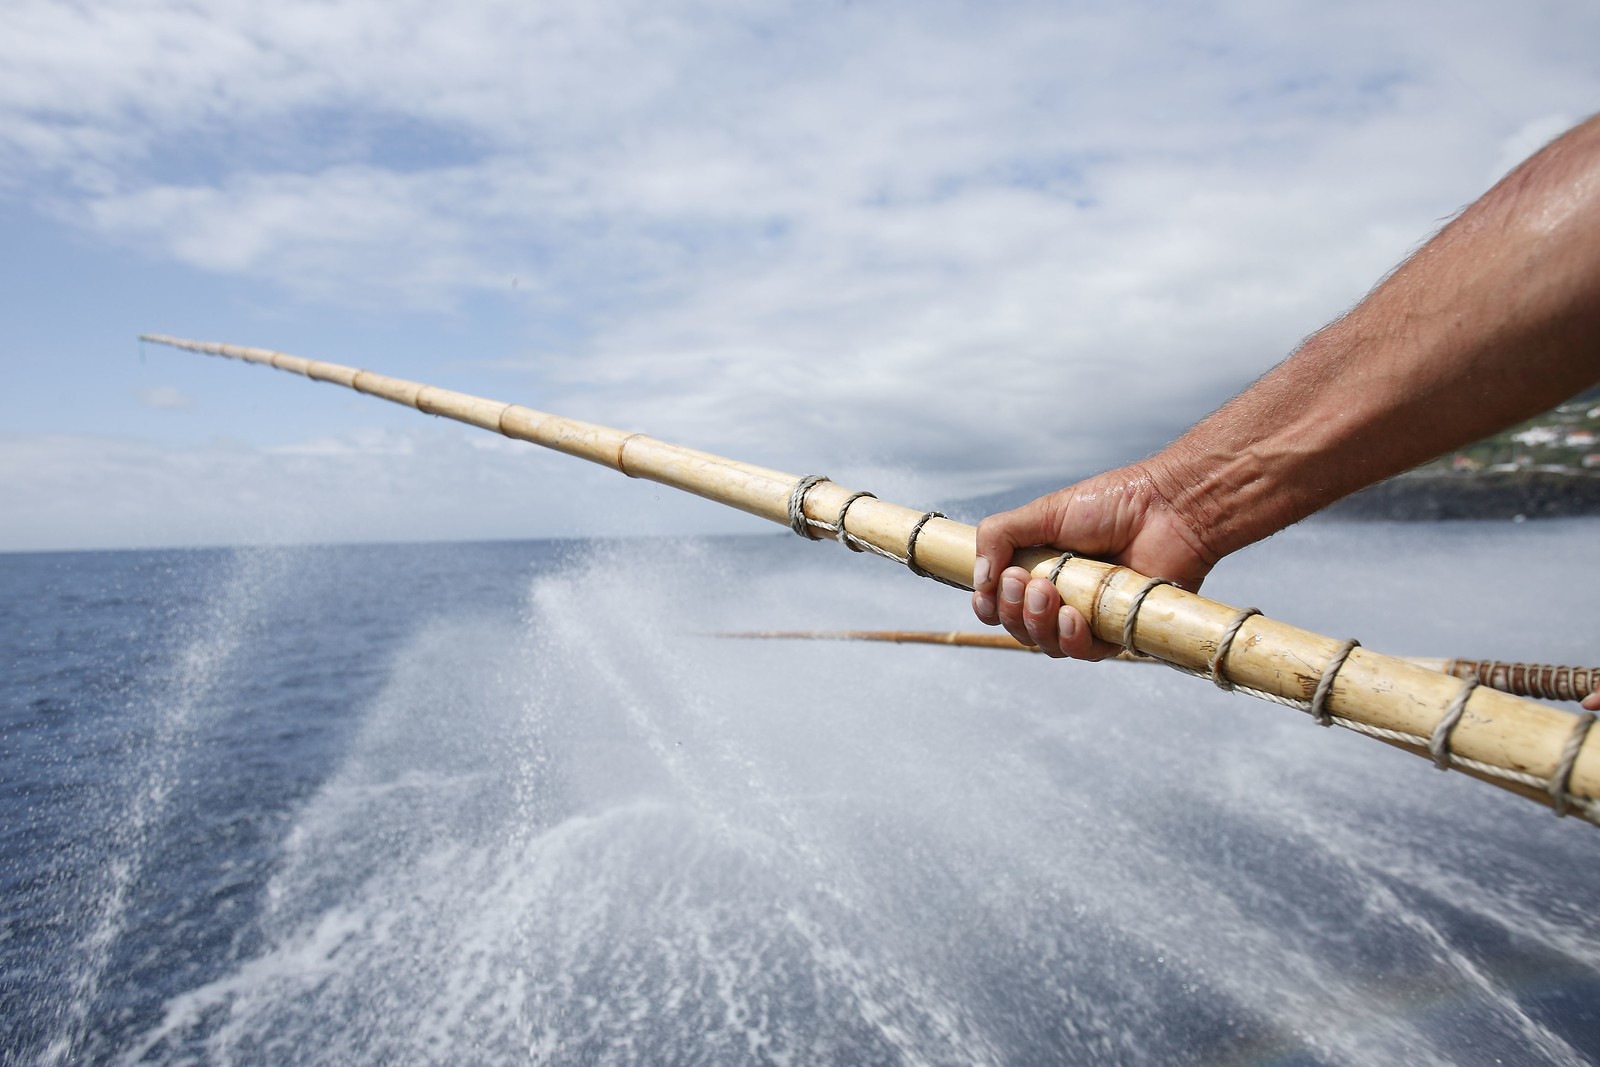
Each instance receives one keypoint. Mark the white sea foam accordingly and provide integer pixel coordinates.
(603, 837)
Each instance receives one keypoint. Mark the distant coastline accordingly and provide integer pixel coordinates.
(1430, 494)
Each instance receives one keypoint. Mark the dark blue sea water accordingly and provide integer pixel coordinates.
(510, 803)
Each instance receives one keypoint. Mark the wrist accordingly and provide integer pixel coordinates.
(1174, 475)
(1233, 493)
(1179, 477)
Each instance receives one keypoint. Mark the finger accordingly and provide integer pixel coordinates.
(1072, 633)
(1001, 535)
(983, 574)
(1592, 701)
(1041, 608)
(984, 592)
(984, 607)
(1013, 586)
(1076, 640)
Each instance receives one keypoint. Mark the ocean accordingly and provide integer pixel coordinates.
(516, 803)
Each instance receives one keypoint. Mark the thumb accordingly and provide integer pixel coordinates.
(1034, 523)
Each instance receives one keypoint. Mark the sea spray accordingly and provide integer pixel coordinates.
(564, 826)
(171, 713)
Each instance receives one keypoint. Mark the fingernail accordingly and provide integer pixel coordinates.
(980, 573)
(1037, 601)
(1067, 624)
(984, 603)
(1010, 589)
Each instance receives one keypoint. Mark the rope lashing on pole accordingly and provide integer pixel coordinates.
(1540, 680)
(1538, 751)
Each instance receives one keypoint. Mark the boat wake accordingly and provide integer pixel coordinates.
(599, 836)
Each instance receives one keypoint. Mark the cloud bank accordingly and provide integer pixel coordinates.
(990, 243)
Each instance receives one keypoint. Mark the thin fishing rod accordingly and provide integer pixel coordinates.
(1542, 681)
(1520, 745)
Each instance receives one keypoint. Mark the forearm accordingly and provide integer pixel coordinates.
(1495, 319)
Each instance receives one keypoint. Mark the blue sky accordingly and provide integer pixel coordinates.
(931, 249)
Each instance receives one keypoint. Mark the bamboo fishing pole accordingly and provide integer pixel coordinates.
(1543, 681)
(1520, 745)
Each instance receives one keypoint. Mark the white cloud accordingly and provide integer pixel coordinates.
(988, 241)
(363, 441)
(77, 491)
(165, 398)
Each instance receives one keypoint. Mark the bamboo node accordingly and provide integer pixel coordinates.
(797, 505)
(1224, 644)
(1319, 699)
(1569, 755)
(1131, 620)
(1439, 743)
(622, 446)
